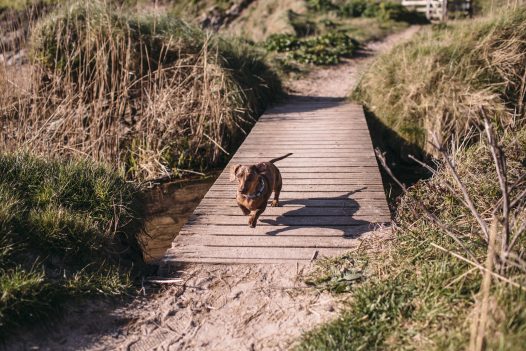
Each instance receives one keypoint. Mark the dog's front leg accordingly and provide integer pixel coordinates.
(253, 219)
(245, 210)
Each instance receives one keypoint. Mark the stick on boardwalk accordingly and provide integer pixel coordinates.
(332, 191)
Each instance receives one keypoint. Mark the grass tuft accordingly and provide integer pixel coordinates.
(152, 95)
(440, 81)
(67, 229)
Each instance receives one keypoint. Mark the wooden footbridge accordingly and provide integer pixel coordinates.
(332, 191)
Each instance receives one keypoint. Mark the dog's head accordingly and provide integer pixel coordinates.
(247, 178)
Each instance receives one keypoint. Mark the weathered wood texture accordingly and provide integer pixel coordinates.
(332, 193)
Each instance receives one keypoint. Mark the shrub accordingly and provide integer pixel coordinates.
(354, 8)
(382, 10)
(320, 5)
(326, 49)
(151, 94)
(66, 229)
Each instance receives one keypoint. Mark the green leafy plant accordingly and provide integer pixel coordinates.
(327, 49)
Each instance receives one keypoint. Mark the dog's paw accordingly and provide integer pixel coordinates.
(252, 222)
(274, 203)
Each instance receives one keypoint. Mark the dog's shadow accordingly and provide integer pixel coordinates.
(317, 213)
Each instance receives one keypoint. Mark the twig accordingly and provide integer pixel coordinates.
(381, 157)
(422, 164)
(468, 272)
(479, 266)
(216, 144)
(500, 164)
(479, 323)
(465, 193)
(158, 280)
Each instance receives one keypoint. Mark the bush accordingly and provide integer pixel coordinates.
(321, 5)
(354, 8)
(326, 49)
(151, 94)
(66, 229)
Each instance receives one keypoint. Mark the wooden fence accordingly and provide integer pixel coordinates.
(437, 10)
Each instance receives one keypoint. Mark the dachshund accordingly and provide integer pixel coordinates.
(255, 185)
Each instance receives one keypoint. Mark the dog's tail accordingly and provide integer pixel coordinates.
(279, 158)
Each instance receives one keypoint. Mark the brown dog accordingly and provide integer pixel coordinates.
(255, 185)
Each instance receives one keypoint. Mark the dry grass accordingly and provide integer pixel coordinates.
(149, 94)
(440, 81)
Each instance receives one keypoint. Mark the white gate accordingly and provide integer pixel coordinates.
(435, 10)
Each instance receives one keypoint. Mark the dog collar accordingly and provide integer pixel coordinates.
(258, 192)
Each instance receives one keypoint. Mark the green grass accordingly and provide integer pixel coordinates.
(67, 229)
(327, 49)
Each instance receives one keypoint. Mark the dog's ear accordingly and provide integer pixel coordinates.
(233, 171)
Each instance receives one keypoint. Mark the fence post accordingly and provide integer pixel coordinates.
(428, 10)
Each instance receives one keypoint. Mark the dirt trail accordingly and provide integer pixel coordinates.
(236, 307)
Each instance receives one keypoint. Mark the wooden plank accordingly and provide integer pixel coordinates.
(212, 229)
(305, 154)
(287, 148)
(302, 197)
(310, 221)
(307, 163)
(251, 252)
(326, 203)
(297, 139)
(295, 211)
(314, 170)
(282, 221)
(315, 181)
(310, 187)
(267, 241)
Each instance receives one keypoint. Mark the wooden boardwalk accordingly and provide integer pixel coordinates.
(332, 190)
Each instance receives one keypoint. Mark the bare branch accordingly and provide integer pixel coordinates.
(500, 165)
(422, 164)
(467, 198)
(427, 213)
(381, 157)
(479, 323)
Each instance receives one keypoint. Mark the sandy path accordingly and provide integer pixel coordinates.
(340, 80)
(237, 307)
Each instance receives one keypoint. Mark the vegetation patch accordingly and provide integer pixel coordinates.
(67, 229)
(339, 274)
(439, 82)
(420, 297)
(152, 95)
(327, 49)
(322, 34)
